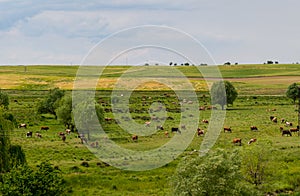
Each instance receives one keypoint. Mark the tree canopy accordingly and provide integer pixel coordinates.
(214, 174)
(4, 99)
(50, 103)
(293, 92)
(45, 180)
(219, 97)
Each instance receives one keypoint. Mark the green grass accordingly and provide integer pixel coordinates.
(253, 107)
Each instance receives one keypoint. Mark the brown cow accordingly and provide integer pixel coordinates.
(68, 131)
(253, 128)
(134, 138)
(200, 132)
(227, 129)
(294, 130)
(252, 140)
(45, 128)
(237, 141)
(205, 121)
(166, 133)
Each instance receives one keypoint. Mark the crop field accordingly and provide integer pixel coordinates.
(261, 91)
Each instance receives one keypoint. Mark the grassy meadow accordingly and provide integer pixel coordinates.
(261, 91)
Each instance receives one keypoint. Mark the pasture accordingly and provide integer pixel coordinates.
(261, 95)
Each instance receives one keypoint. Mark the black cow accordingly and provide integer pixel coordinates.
(175, 129)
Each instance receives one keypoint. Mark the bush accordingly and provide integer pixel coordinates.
(26, 181)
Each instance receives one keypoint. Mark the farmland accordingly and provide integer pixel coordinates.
(261, 91)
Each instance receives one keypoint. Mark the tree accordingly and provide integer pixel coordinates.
(84, 115)
(255, 163)
(4, 99)
(50, 103)
(64, 111)
(293, 92)
(214, 174)
(45, 180)
(218, 96)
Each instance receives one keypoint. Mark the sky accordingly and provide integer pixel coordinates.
(35, 32)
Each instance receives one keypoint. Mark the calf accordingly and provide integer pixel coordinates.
(63, 137)
(237, 141)
(227, 129)
(82, 138)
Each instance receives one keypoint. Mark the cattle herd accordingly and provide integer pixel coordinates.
(286, 130)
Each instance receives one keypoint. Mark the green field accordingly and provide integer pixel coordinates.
(261, 91)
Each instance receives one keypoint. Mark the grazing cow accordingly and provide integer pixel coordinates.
(23, 125)
(147, 123)
(237, 141)
(205, 121)
(252, 140)
(253, 128)
(108, 119)
(38, 135)
(166, 133)
(274, 120)
(288, 124)
(29, 134)
(286, 132)
(159, 127)
(282, 120)
(135, 138)
(45, 128)
(200, 132)
(175, 129)
(68, 131)
(183, 127)
(227, 129)
(271, 118)
(294, 130)
(61, 134)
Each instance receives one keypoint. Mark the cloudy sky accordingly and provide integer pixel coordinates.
(64, 31)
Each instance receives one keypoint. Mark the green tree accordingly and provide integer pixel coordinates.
(45, 180)
(4, 99)
(50, 103)
(64, 111)
(10, 155)
(219, 97)
(293, 92)
(84, 115)
(214, 174)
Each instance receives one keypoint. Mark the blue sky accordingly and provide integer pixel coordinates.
(63, 32)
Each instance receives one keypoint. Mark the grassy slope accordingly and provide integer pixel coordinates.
(101, 180)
